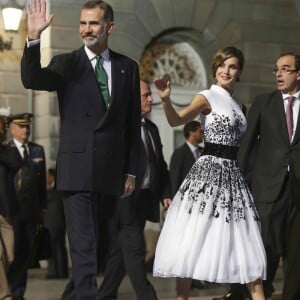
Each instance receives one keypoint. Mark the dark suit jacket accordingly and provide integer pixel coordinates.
(267, 131)
(137, 205)
(10, 162)
(32, 195)
(97, 146)
(181, 162)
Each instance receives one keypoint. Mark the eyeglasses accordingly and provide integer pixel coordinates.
(284, 71)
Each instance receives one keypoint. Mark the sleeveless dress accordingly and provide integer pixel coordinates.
(212, 229)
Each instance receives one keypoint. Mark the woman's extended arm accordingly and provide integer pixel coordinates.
(198, 105)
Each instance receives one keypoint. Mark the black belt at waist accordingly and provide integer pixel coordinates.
(219, 150)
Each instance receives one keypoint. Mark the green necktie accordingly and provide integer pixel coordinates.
(102, 80)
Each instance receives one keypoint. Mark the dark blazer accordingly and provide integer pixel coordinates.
(181, 162)
(267, 131)
(32, 194)
(137, 205)
(97, 145)
(10, 162)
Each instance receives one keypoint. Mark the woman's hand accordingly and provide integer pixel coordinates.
(163, 88)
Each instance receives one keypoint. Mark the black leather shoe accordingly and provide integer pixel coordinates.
(199, 284)
(229, 296)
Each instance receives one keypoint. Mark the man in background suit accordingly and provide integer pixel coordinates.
(55, 222)
(99, 105)
(30, 184)
(276, 173)
(10, 162)
(184, 157)
(127, 253)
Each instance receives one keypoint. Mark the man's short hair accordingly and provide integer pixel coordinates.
(191, 126)
(108, 10)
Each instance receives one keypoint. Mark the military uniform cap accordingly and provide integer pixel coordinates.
(23, 119)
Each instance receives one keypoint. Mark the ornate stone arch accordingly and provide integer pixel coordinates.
(174, 55)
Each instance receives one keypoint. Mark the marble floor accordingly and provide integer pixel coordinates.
(41, 289)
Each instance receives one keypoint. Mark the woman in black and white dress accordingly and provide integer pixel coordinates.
(212, 229)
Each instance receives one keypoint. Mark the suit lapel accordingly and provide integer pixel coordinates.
(153, 134)
(189, 153)
(118, 76)
(31, 153)
(88, 78)
(280, 112)
(279, 104)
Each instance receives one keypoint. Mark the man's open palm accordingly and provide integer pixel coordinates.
(37, 21)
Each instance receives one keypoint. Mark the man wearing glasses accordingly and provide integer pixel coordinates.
(274, 129)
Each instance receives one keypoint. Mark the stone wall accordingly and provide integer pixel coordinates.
(261, 28)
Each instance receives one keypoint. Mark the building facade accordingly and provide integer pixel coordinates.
(171, 38)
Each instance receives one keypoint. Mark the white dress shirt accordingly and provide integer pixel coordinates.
(20, 147)
(193, 149)
(105, 60)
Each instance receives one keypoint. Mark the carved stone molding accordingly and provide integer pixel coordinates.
(178, 61)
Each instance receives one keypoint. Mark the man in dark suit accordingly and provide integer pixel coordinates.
(127, 253)
(30, 184)
(274, 126)
(99, 104)
(55, 222)
(10, 162)
(184, 157)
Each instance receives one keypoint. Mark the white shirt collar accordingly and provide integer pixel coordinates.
(18, 144)
(91, 55)
(286, 96)
(192, 147)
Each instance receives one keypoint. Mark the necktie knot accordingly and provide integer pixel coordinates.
(291, 100)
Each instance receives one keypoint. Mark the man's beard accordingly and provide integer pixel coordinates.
(95, 41)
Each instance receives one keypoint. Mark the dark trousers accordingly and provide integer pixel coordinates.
(274, 220)
(127, 254)
(24, 231)
(58, 262)
(291, 288)
(82, 215)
